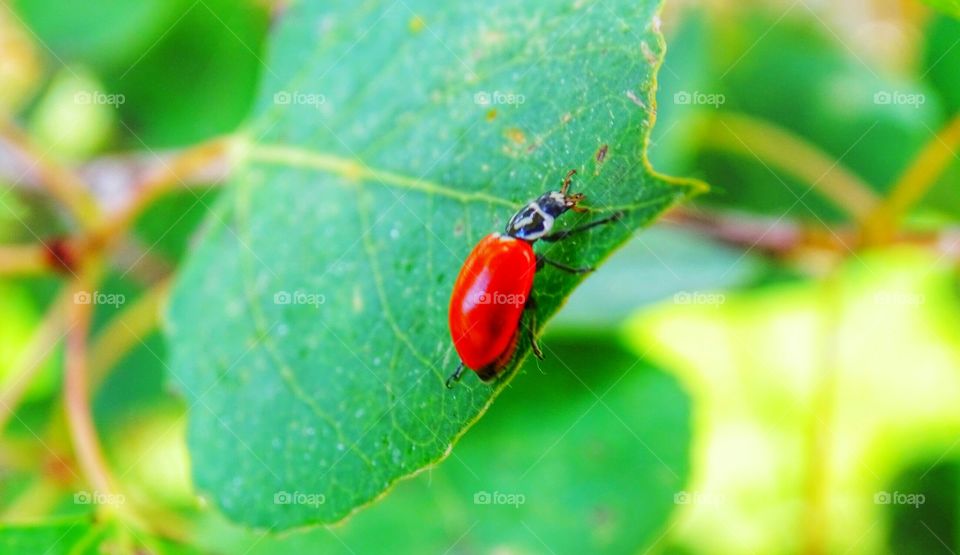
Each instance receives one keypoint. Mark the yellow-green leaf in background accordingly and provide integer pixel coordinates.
(809, 399)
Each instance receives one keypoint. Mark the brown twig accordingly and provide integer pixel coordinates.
(211, 160)
(772, 236)
(784, 238)
(77, 390)
(61, 183)
(24, 260)
(115, 181)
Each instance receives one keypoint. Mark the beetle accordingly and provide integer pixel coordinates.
(492, 290)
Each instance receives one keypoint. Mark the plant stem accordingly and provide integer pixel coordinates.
(119, 336)
(781, 149)
(23, 260)
(62, 184)
(776, 237)
(164, 179)
(77, 390)
(784, 238)
(914, 183)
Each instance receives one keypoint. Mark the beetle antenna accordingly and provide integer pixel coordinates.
(566, 181)
(455, 377)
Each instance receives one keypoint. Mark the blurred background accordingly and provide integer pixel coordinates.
(781, 367)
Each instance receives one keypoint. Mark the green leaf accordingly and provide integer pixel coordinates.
(951, 7)
(872, 123)
(758, 373)
(930, 524)
(80, 536)
(199, 80)
(373, 169)
(103, 33)
(553, 459)
(940, 61)
(939, 65)
(63, 537)
(21, 316)
(184, 70)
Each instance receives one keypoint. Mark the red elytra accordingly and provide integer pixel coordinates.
(488, 301)
(495, 284)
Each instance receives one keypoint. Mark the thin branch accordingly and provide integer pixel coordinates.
(208, 159)
(123, 184)
(24, 260)
(212, 160)
(914, 183)
(72, 193)
(116, 180)
(740, 230)
(77, 392)
(783, 150)
(772, 236)
(785, 238)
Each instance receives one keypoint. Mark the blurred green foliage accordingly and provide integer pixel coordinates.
(186, 70)
(869, 357)
(793, 72)
(746, 403)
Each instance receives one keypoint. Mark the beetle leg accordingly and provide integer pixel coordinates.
(564, 233)
(567, 180)
(531, 326)
(455, 377)
(541, 260)
(537, 352)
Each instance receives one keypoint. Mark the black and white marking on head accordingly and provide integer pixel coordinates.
(536, 219)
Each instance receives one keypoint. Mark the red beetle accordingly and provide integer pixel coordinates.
(493, 288)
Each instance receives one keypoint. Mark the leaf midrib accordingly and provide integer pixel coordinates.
(355, 171)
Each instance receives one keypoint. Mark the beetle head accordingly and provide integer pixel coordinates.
(536, 219)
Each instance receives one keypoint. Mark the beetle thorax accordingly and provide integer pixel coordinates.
(535, 220)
